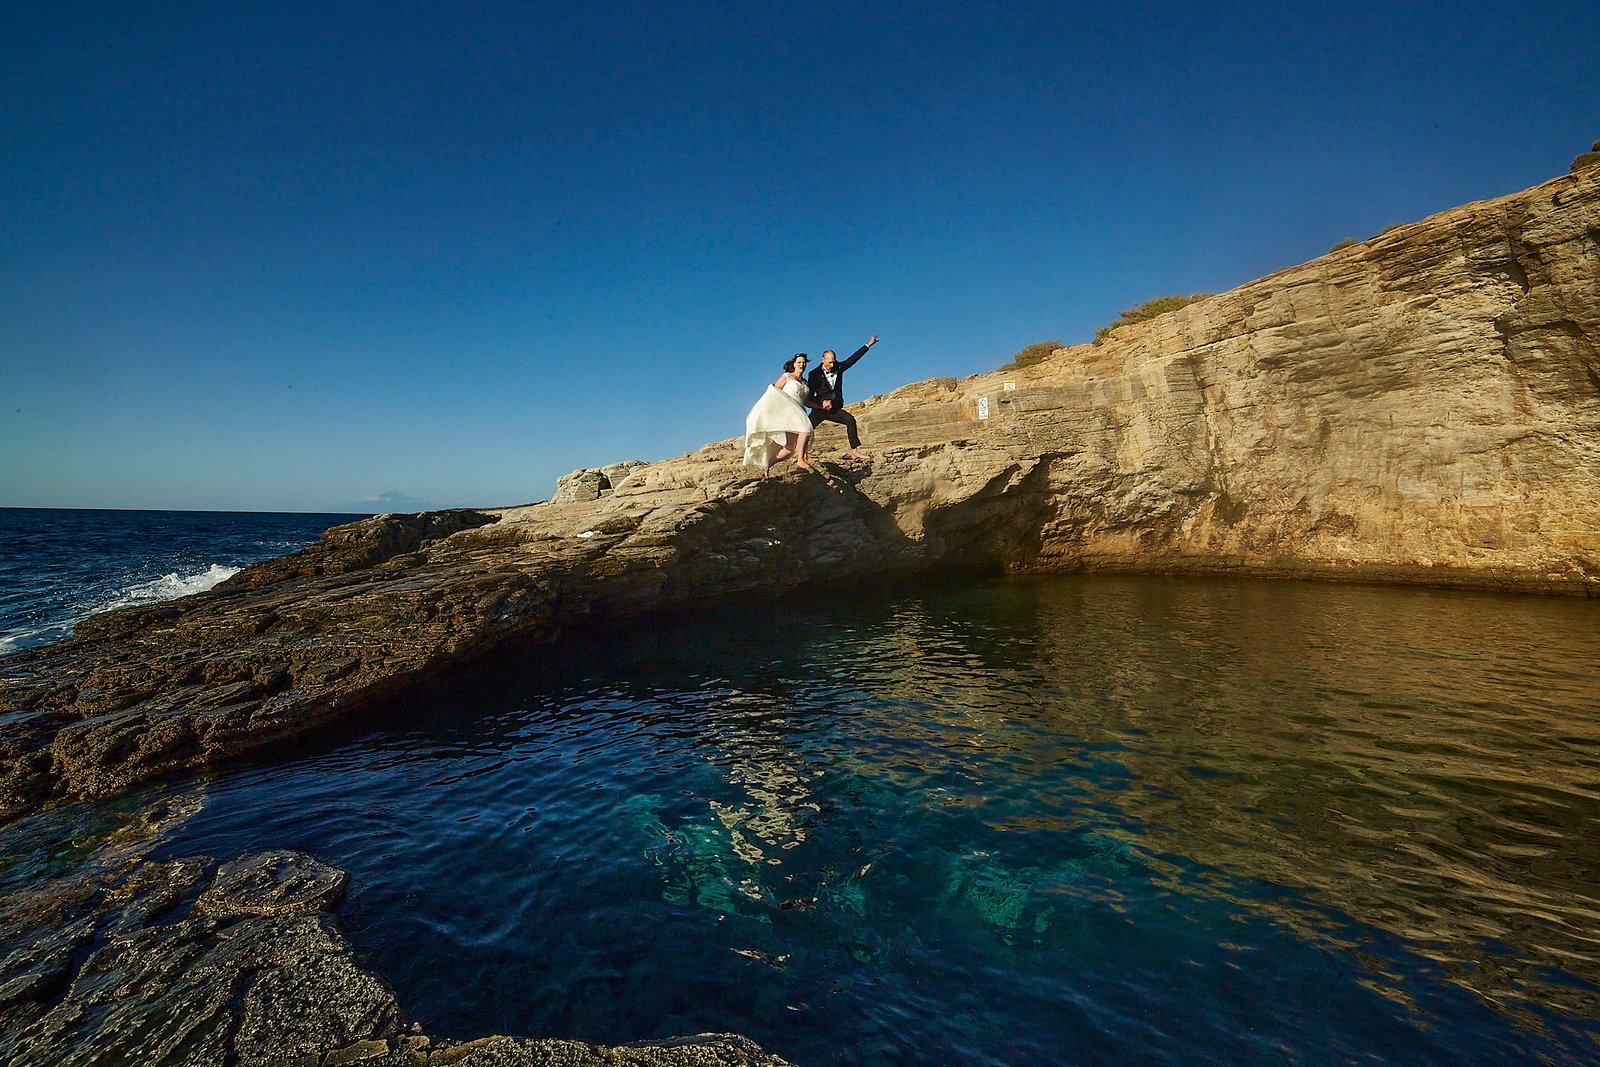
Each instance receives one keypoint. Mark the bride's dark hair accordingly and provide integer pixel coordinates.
(789, 363)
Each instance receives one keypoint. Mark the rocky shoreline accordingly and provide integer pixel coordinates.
(125, 959)
(1420, 407)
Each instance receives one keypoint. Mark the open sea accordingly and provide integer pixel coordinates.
(60, 566)
(1067, 820)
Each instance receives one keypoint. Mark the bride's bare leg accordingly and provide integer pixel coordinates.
(786, 451)
(803, 450)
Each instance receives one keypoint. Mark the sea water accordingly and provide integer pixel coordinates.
(1077, 820)
(57, 567)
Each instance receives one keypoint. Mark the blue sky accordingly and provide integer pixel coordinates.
(291, 256)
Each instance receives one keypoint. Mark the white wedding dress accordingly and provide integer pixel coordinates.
(777, 414)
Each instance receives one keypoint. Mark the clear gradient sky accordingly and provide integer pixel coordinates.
(291, 256)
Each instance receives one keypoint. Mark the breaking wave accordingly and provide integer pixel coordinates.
(38, 627)
(58, 567)
(169, 587)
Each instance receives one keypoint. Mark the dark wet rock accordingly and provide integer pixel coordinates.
(274, 883)
(311, 998)
(703, 1050)
(127, 960)
(1421, 407)
(358, 545)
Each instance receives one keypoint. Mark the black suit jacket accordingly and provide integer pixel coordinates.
(818, 381)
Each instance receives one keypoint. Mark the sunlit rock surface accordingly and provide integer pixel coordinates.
(1421, 407)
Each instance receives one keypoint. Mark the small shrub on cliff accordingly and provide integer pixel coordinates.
(1148, 310)
(1034, 353)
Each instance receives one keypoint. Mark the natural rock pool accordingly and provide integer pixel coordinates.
(1071, 820)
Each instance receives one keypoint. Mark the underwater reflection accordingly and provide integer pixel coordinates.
(1411, 763)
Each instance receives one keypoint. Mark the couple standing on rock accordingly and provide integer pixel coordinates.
(780, 424)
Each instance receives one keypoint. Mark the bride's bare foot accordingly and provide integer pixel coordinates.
(802, 464)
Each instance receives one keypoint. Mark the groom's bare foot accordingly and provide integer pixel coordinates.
(858, 454)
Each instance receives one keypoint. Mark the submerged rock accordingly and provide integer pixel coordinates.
(1420, 407)
(128, 960)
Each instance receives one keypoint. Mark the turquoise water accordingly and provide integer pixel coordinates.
(1075, 820)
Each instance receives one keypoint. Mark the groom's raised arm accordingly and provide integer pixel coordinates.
(851, 362)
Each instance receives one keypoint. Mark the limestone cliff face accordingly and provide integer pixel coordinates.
(1421, 407)
(1424, 406)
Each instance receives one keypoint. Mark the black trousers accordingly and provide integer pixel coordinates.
(842, 417)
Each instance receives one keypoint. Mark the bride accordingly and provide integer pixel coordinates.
(778, 426)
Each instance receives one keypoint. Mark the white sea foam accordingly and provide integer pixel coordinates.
(57, 626)
(170, 587)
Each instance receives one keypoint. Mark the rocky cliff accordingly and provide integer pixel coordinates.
(1423, 406)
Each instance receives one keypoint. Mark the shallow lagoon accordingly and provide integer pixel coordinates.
(1074, 820)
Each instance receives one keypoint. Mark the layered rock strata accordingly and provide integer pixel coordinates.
(130, 960)
(1421, 407)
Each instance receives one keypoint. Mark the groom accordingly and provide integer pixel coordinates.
(827, 394)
